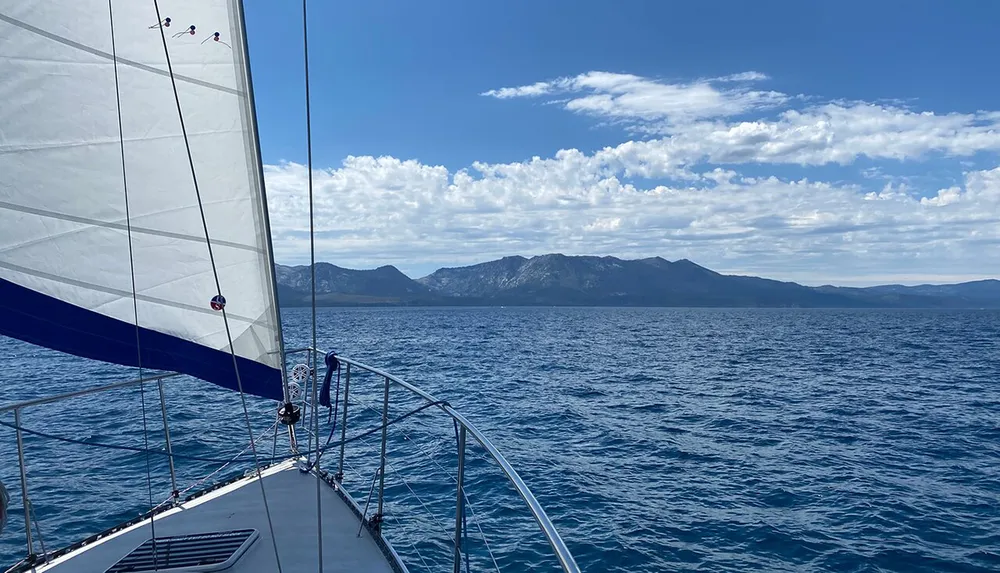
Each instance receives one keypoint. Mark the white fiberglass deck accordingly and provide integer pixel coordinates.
(291, 496)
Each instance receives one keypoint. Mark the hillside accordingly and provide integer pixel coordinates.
(557, 279)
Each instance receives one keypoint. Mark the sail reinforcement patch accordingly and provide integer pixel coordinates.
(200, 552)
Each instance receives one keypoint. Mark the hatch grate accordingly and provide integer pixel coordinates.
(188, 553)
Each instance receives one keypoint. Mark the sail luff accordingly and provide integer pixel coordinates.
(258, 161)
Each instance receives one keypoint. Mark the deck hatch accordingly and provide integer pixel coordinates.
(200, 552)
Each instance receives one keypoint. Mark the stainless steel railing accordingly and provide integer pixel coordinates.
(465, 428)
(18, 407)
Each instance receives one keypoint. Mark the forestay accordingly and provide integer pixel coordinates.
(65, 267)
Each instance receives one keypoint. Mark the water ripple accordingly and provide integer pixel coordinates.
(656, 439)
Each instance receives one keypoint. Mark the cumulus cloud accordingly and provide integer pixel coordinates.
(384, 210)
(828, 134)
(373, 211)
(630, 97)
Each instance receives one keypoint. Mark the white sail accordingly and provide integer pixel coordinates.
(66, 273)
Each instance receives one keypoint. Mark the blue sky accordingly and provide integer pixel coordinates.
(701, 86)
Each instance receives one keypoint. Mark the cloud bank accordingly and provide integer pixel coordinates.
(688, 183)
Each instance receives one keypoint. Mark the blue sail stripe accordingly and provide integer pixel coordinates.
(40, 319)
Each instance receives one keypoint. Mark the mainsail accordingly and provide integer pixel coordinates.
(69, 247)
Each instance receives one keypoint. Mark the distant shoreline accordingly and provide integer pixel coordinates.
(585, 281)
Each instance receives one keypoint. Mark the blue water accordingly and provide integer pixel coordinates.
(657, 439)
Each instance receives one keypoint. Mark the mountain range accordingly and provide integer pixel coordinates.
(561, 280)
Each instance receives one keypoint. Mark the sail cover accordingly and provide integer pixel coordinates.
(70, 248)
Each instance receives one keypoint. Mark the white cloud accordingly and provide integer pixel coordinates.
(743, 77)
(692, 115)
(630, 97)
(536, 89)
(944, 197)
(830, 134)
(373, 211)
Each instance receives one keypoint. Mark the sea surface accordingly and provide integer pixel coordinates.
(656, 439)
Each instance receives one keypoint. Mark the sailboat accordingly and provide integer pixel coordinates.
(134, 230)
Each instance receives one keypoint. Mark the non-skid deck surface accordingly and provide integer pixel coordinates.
(291, 496)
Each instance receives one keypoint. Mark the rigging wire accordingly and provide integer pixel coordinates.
(468, 502)
(322, 450)
(218, 470)
(38, 530)
(427, 455)
(131, 267)
(312, 265)
(399, 522)
(405, 483)
(218, 285)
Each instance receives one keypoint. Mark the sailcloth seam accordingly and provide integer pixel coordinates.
(114, 291)
(14, 148)
(113, 225)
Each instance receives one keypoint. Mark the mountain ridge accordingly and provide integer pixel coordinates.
(561, 280)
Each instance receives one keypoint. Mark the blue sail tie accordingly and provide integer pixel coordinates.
(332, 365)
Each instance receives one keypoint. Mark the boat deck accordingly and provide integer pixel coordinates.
(291, 495)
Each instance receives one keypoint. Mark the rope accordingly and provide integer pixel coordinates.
(131, 267)
(331, 362)
(312, 262)
(225, 460)
(218, 286)
(336, 398)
